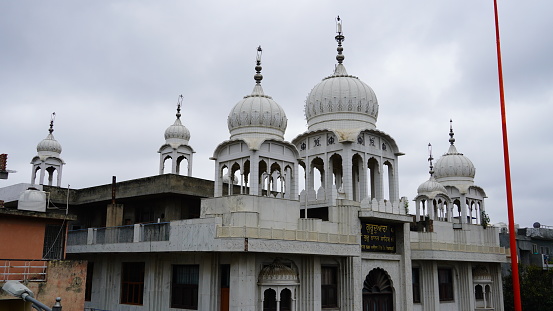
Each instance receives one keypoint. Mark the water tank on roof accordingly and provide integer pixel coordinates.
(537, 225)
(32, 200)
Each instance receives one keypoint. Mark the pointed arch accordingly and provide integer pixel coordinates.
(374, 179)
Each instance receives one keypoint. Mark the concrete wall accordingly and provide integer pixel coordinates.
(65, 279)
(22, 238)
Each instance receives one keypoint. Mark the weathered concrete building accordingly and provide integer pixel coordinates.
(250, 240)
(32, 251)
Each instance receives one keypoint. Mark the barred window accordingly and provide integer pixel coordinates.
(184, 286)
(445, 282)
(132, 283)
(416, 285)
(329, 287)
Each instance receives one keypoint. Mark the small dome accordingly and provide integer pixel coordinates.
(177, 133)
(431, 186)
(481, 274)
(277, 273)
(341, 101)
(454, 166)
(257, 115)
(49, 146)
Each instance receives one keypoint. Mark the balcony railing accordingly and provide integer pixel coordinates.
(23, 270)
(123, 234)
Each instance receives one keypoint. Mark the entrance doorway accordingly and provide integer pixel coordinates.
(378, 292)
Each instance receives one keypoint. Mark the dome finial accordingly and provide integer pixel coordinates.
(339, 38)
(258, 77)
(52, 118)
(451, 134)
(179, 104)
(430, 159)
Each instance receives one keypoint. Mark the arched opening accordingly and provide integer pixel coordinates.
(224, 172)
(356, 173)
(269, 300)
(287, 184)
(263, 178)
(180, 164)
(246, 177)
(276, 180)
(488, 296)
(378, 291)
(301, 175)
(37, 169)
(317, 167)
(388, 181)
(478, 293)
(52, 174)
(285, 300)
(337, 171)
(235, 177)
(164, 165)
(374, 178)
(458, 209)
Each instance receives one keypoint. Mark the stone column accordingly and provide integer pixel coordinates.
(463, 205)
(347, 171)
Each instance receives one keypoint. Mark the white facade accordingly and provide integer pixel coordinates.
(345, 242)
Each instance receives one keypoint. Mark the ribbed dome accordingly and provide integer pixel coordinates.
(480, 274)
(177, 133)
(276, 273)
(454, 166)
(257, 115)
(341, 101)
(431, 186)
(49, 146)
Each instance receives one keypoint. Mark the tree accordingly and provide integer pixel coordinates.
(536, 289)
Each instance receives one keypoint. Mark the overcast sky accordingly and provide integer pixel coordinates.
(112, 72)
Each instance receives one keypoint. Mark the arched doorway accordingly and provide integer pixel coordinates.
(378, 292)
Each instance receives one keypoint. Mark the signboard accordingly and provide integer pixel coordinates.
(377, 237)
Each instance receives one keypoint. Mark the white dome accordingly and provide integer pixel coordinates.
(277, 273)
(257, 115)
(431, 186)
(49, 146)
(454, 166)
(177, 133)
(341, 101)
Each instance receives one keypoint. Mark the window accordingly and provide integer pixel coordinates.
(53, 242)
(329, 287)
(132, 283)
(478, 292)
(535, 249)
(184, 286)
(416, 285)
(88, 282)
(285, 300)
(445, 283)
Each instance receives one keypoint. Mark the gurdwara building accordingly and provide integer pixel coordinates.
(251, 239)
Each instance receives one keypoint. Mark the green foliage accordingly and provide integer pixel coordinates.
(485, 219)
(536, 289)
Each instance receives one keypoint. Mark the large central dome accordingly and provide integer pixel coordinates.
(341, 101)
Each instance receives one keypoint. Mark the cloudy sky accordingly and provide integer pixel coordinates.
(112, 72)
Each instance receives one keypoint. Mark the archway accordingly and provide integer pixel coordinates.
(378, 294)
(269, 300)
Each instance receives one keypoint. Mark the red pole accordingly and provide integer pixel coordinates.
(512, 233)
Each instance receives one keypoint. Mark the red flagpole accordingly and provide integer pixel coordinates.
(512, 233)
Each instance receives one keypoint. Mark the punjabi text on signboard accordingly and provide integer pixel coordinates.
(378, 238)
